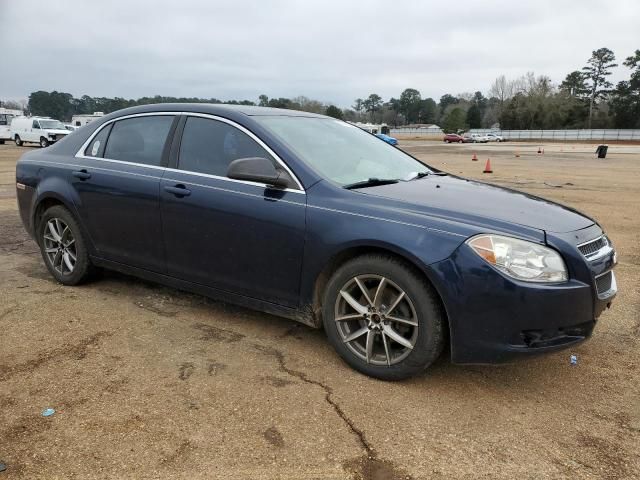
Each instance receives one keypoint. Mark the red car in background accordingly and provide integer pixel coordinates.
(453, 138)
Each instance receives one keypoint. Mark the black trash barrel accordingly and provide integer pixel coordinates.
(602, 151)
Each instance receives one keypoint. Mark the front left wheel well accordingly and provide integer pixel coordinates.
(332, 265)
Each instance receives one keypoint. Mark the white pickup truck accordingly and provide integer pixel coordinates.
(42, 130)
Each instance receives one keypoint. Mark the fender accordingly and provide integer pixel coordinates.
(56, 188)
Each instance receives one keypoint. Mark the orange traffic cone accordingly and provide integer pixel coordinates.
(543, 151)
(539, 150)
(475, 157)
(517, 154)
(487, 167)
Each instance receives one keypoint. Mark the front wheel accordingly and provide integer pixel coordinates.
(44, 143)
(18, 141)
(63, 247)
(383, 318)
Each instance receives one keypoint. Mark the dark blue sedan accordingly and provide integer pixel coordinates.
(390, 140)
(313, 219)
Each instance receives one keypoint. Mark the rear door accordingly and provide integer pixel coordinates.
(237, 236)
(116, 181)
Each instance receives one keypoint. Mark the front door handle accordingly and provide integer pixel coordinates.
(179, 190)
(81, 174)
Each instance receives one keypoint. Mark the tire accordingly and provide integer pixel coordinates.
(71, 242)
(459, 141)
(44, 143)
(1, 142)
(417, 318)
(18, 141)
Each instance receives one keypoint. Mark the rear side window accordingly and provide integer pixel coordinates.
(139, 139)
(209, 146)
(96, 147)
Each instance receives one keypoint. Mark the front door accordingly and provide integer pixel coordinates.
(116, 184)
(240, 237)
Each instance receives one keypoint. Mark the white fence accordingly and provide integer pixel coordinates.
(562, 135)
(427, 132)
(599, 135)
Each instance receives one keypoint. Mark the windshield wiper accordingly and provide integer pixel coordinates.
(371, 182)
(426, 174)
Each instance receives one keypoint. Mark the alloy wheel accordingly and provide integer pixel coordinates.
(376, 319)
(60, 246)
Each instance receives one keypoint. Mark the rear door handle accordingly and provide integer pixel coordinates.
(178, 190)
(81, 174)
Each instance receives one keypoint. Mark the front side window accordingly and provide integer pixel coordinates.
(35, 125)
(209, 146)
(138, 139)
(96, 147)
(341, 152)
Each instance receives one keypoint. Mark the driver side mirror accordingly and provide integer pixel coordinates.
(258, 169)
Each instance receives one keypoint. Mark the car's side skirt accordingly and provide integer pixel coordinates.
(299, 315)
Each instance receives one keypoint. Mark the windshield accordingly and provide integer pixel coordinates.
(52, 124)
(340, 151)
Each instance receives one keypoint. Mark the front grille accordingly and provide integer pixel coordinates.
(592, 247)
(603, 282)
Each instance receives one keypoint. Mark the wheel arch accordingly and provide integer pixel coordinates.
(43, 203)
(353, 251)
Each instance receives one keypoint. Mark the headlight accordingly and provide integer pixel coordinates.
(520, 259)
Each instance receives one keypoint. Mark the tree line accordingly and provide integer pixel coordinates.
(62, 106)
(584, 99)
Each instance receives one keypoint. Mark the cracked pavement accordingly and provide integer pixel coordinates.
(150, 382)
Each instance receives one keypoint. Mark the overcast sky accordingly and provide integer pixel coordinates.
(333, 51)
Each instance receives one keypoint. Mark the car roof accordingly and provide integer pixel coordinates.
(217, 109)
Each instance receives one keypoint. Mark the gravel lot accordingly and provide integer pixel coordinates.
(149, 382)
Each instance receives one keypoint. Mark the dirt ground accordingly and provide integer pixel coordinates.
(149, 382)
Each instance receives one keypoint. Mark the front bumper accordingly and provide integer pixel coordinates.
(494, 318)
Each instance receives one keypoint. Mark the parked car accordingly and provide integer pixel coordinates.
(494, 137)
(311, 218)
(387, 138)
(478, 138)
(468, 139)
(42, 130)
(453, 138)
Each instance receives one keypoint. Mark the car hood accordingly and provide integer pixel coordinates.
(57, 131)
(462, 199)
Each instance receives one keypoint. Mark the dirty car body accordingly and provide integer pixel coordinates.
(274, 248)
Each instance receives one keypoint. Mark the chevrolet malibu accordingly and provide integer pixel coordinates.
(313, 219)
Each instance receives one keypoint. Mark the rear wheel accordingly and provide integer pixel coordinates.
(446, 141)
(382, 318)
(18, 141)
(62, 246)
(44, 143)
